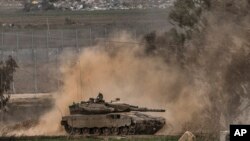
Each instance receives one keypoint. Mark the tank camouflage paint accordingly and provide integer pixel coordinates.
(98, 117)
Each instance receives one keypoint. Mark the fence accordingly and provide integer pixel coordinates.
(37, 54)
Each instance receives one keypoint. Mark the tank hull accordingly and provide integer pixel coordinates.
(112, 124)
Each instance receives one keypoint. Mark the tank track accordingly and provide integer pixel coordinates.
(105, 131)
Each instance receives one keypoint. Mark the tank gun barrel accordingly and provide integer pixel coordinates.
(128, 108)
(147, 110)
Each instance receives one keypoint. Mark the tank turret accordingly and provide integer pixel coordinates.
(96, 116)
(99, 106)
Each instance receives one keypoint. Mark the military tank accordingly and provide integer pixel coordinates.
(98, 117)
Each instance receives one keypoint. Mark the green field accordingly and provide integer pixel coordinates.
(92, 138)
(112, 138)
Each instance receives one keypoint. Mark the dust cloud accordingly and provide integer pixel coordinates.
(206, 93)
(122, 69)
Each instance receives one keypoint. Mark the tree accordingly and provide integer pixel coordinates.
(186, 18)
(7, 69)
(186, 15)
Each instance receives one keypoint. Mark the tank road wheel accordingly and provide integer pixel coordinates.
(85, 131)
(106, 131)
(114, 131)
(69, 129)
(96, 131)
(124, 130)
(77, 131)
(131, 130)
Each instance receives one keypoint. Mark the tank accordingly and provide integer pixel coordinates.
(98, 117)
